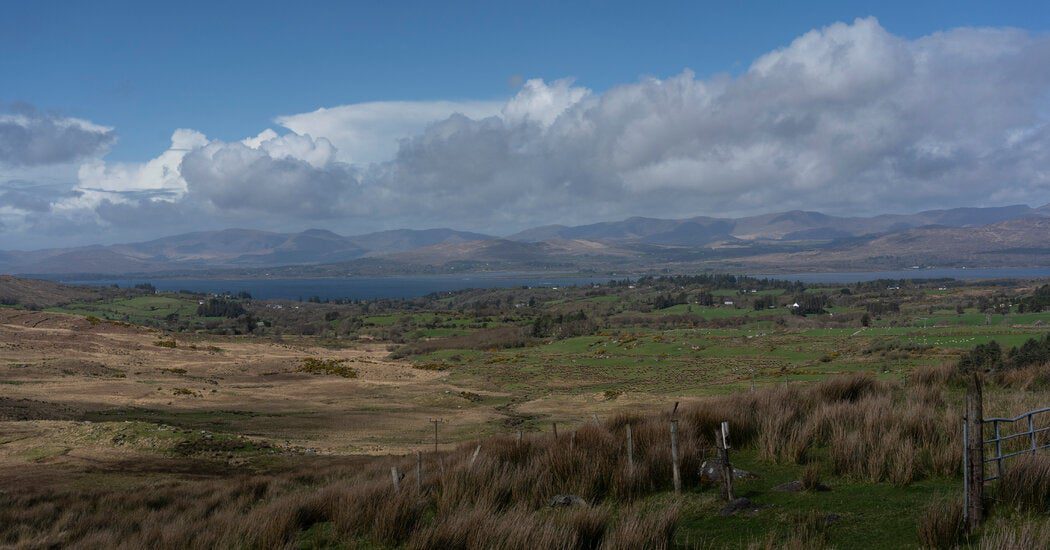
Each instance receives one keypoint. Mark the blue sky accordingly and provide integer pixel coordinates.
(126, 121)
(227, 68)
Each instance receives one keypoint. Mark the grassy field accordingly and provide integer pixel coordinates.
(857, 510)
(707, 360)
(97, 407)
(139, 309)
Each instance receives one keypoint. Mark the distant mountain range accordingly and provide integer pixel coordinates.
(226, 249)
(1009, 235)
(785, 226)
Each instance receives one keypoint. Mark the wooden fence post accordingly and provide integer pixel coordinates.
(973, 435)
(722, 442)
(419, 472)
(474, 456)
(676, 471)
(1031, 433)
(630, 450)
(674, 456)
(395, 477)
(572, 441)
(519, 437)
(435, 421)
(998, 450)
(555, 426)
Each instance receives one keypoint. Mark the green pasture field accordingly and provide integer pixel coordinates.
(703, 360)
(135, 310)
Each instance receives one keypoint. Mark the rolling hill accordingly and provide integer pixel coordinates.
(1009, 235)
(228, 248)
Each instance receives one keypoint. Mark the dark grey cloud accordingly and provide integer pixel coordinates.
(33, 197)
(236, 177)
(144, 212)
(29, 137)
(25, 201)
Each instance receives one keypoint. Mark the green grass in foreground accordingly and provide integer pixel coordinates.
(867, 515)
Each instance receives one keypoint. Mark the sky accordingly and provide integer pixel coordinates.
(126, 121)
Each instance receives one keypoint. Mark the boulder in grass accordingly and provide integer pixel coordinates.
(798, 486)
(712, 472)
(742, 504)
(567, 501)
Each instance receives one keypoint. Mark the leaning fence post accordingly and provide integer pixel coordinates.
(974, 456)
(674, 456)
(722, 443)
(966, 469)
(1031, 432)
(998, 450)
(630, 450)
(674, 450)
(435, 422)
(419, 472)
(474, 456)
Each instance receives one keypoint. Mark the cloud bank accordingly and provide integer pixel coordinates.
(846, 119)
(31, 138)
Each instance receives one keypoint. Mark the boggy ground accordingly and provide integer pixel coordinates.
(64, 380)
(112, 434)
(887, 452)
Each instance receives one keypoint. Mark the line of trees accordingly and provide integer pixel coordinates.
(1039, 301)
(990, 356)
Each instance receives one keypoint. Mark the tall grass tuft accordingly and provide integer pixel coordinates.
(1025, 484)
(941, 523)
(1030, 532)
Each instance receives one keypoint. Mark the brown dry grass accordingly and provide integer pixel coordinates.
(1025, 484)
(1026, 534)
(941, 523)
(871, 431)
(486, 506)
(875, 431)
(66, 364)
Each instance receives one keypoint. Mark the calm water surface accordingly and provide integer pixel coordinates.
(356, 288)
(363, 288)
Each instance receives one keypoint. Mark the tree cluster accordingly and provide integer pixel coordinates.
(1038, 301)
(990, 356)
(220, 307)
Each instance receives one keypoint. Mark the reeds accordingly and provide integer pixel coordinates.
(871, 430)
(1028, 533)
(941, 523)
(1025, 484)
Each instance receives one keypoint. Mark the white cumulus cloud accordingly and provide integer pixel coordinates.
(369, 132)
(846, 119)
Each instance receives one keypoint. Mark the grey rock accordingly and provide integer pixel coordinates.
(797, 487)
(710, 471)
(570, 501)
(739, 505)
